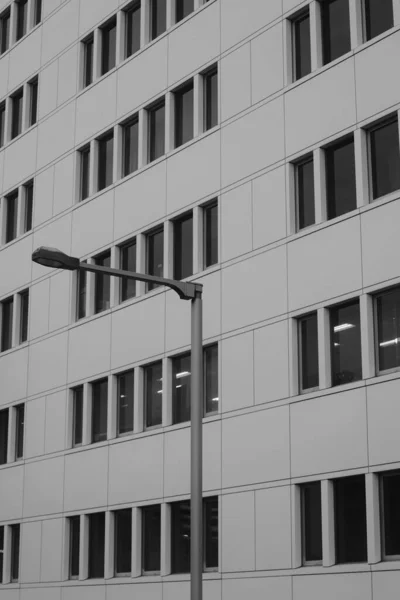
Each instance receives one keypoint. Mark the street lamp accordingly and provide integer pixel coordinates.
(53, 258)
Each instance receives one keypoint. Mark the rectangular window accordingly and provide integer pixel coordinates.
(123, 541)
(7, 309)
(24, 316)
(1, 552)
(97, 528)
(385, 158)
(311, 523)
(74, 546)
(308, 352)
(305, 195)
(156, 116)
(22, 18)
(388, 329)
(210, 519)
(16, 113)
(155, 255)
(33, 101)
(11, 216)
(87, 46)
(38, 12)
(84, 169)
(183, 9)
(108, 46)
(183, 247)
(346, 343)
(77, 417)
(125, 383)
(335, 29)
(99, 410)
(153, 394)
(28, 206)
(132, 29)
(210, 234)
(158, 18)
(15, 544)
(210, 82)
(378, 17)
(341, 178)
(130, 146)
(181, 371)
(211, 399)
(3, 436)
(350, 520)
(151, 539)
(5, 20)
(184, 119)
(105, 161)
(128, 263)
(81, 283)
(2, 124)
(102, 284)
(390, 504)
(302, 45)
(19, 431)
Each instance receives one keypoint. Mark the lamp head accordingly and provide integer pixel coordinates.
(55, 259)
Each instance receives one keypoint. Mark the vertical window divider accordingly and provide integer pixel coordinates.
(8, 115)
(361, 163)
(15, 321)
(396, 13)
(138, 401)
(120, 38)
(136, 564)
(197, 239)
(373, 518)
(294, 357)
(93, 162)
(140, 262)
(198, 105)
(20, 210)
(117, 165)
(31, 15)
(90, 290)
(87, 411)
(398, 112)
(166, 395)
(114, 281)
(143, 138)
(171, 12)
(169, 249)
(112, 406)
(3, 213)
(328, 523)
(165, 539)
(66, 538)
(367, 336)
(324, 348)
(356, 23)
(13, 24)
(96, 53)
(25, 107)
(7, 554)
(84, 548)
(109, 545)
(297, 527)
(144, 23)
(320, 185)
(169, 122)
(316, 36)
(11, 434)
(291, 212)
(288, 52)
(70, 419)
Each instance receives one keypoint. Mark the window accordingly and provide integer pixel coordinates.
(311, 523)
(350, 520)
(335, 29)
(5, 31)
(340, 178)
(16, 114)
(378, 17)
(88, 46)
(151, 539)
(308, 352)
(108, 46)
(1, 552)
(7, 309)
(210, 81)
(156, 131)
(2, 123)
(19, 431)
(390, 501)
(102, 284)
(302, 45)
(181, 388)
(22, 18)
(24, 316)
(132, 29)
(183, 114)
(84, 169)
(130, 146)
(99, 410)
(153, 394)
(183, 9)
(346, 343)
(388, 329)
(158, 18)
(123, 541)
(210, 234)
(15, 543)
(125, 402)
(77, 416)
(11, 216)
(211, 399)
(105, 161)
(3, 437)
(385, 158)
(28, 206)
(38, 12)
(305, 197)
(155, 255)
(128, 263)
(81, 283)
(74, 544)
(33, 102)
(210, 519)
(97, 523)
(183, 247)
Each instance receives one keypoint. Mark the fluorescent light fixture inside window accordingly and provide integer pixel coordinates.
(390, 342)
(182, 374)
(343, 327)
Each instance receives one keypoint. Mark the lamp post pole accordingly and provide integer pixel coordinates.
(53, 258)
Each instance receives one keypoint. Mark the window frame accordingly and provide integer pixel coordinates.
(375, 126)
(16, 126)
(179, 113)
(5, 18)
(4, 347)
(2, 538)
(205, 208)
(91, 545)
(145, 509)
(15, 552)
(19, 425)
(104, 435)
(375, 297)
(3, 124)
(102, 282)
(153, 35)
(123, 285)
(5, 412)
(71, 520)
(24, 305)
(304, 561)
(84, 155)
(33, 87)
(145, 396)
(118, 429)
(295, 19)
(177, 224)
(207, 347)
(87, 77)
(365, 23)
(37, 16)
(104, 62)
(151, 130)
(351, 301)
(304, 160)
(74, 391)
(21, 27)
(116, 514)
(207, 113)
(327, 33)
(125, 126)
(337, 144)
(299, 320)
(128, 11)
(385, 557)
(11, 198)
(102, 142)
(150, 235)
(28, 196)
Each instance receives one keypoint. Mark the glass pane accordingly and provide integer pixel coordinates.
(2, 124)
(211, 533)
(125, 402)
(341, 179)
(15, 543)
(153, 394)
(312, 522)
(388, 313)
(158, 18)
(378, 17)
(305, 194)
(33, 102)
(336, 28)
(81, 294)
(106, 161)
(302, 46)
(74, 535)
(391, 513)
(96, 545)
(11, 217)
(99, 411)
(180, 538)
(123, 541)
(102, 284)
(350, 520)
(88, 69)
(151, 537)
(28, 206)
(308, 330)
(128, 263)
(131, 147)
(109, 47)
(183, 9)
(38, 11)
(346, 344)
(211, 379)
(181, 389)
(6, 324)
(132, 30)
(1, 552)
(3, 436)
(385, 159)
(183, 115)
(211, 99)
(157, 132)
(19, 432)
(16, 121)
(78, 416)
(5, 32)
(210, 235)
(24, 309)
(183, 247)
(155, 256)
(22, 9)
(85, 166)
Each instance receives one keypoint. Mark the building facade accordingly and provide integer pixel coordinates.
(253, 147)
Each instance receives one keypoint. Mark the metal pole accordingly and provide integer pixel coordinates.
(196, 467)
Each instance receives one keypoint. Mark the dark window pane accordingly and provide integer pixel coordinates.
(183, 247)
(1, 552)
(378, 17)
(211, 399)
(6, 324)
(33, 102)
(109, 47)
(88, 61)
(308, 332)
(128, 263)
(11, 217)
(38, 12)
(183, 115)
(28, 188)
(153, 394)
(180, 537)
(74, 538)
(84, 172)
(341, 179)
(15, 543)
(81, 294)
(16, 114)
(305, 193)
(302, 46)
(155, 256)
(77, 416)
(385, 159)
(211, 99)
(312, 522)
(335, 28)
(24, 316)
(158, 17)
(151, 539)
(102, 284)
(346, 343)
(157, 132)
(125, 402)
(391, 513)
(210, 239)
(106, 161)
(132, 30)
(210, 533)
(3, 436)
(99, 411)
(19, 430)
(131, 147)
(22, 17)
(350, 520)
(5, 31)
(388, 317)
(181, 389)
(123, 541)
(183, 9)
(2, 124)
(96, 545)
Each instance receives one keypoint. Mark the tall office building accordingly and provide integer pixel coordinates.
(251, 146)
